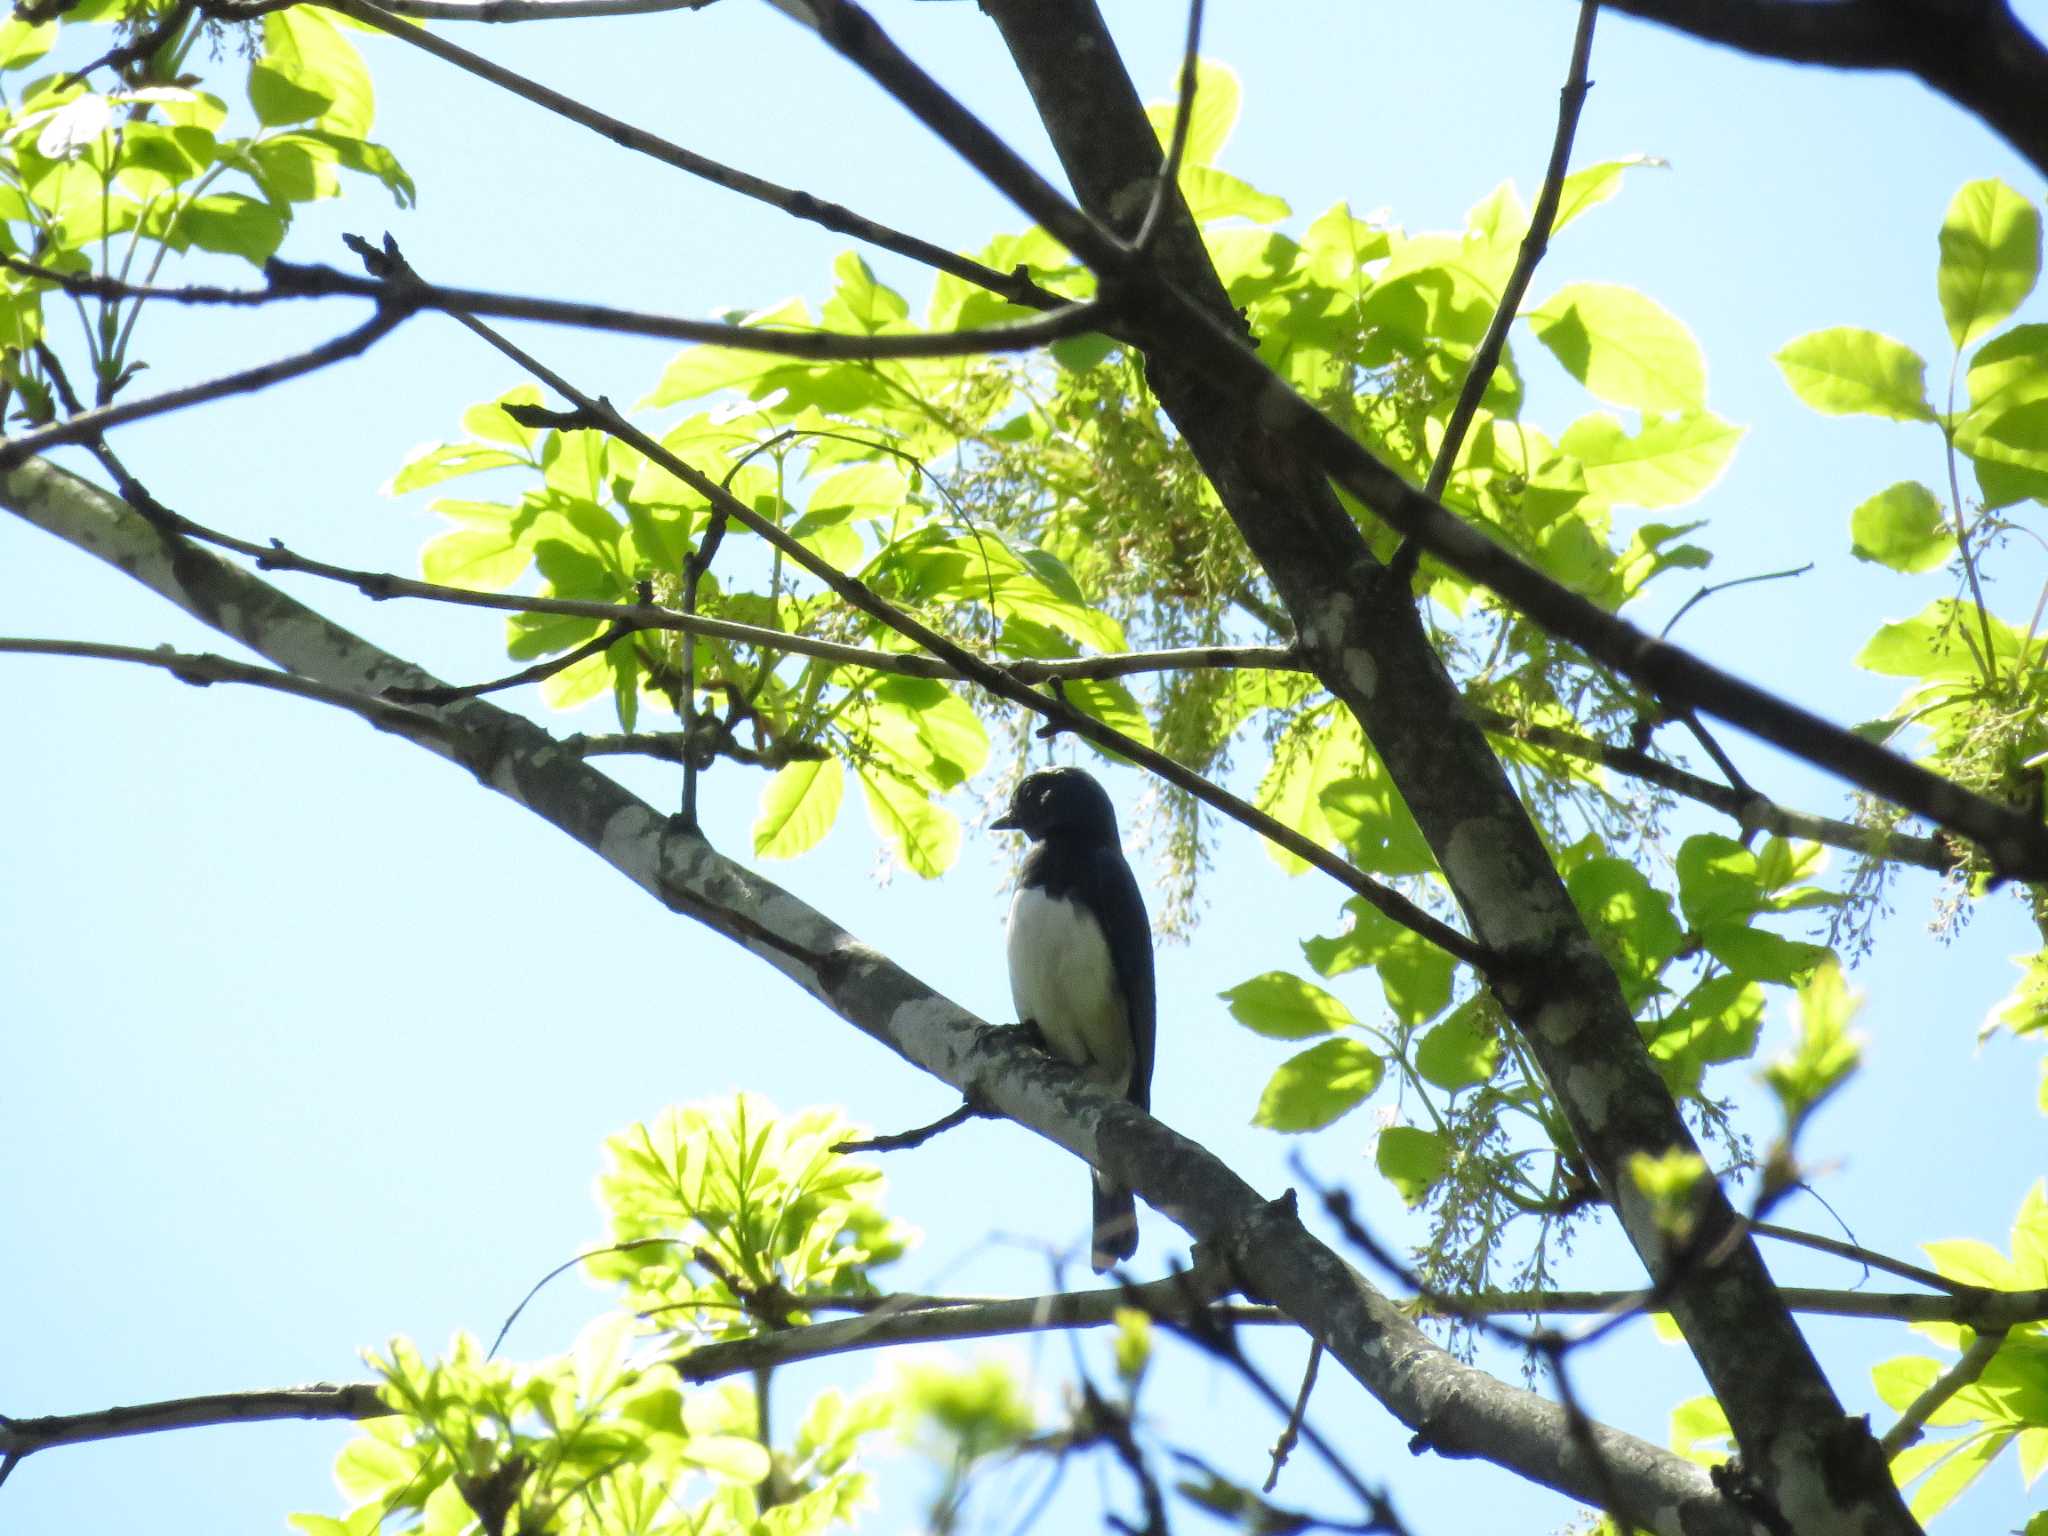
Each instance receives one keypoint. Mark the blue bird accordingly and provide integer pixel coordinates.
(1081, 959)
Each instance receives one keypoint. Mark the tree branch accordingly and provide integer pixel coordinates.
(201, 669)
(289, 281)
(1975, 52)
(87, 425)
(319, 1400)
(1535, 242)
(1971, 1365)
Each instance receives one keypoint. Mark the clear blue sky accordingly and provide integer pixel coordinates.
(309, 1042)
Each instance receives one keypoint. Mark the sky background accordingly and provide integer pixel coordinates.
(307, 1042)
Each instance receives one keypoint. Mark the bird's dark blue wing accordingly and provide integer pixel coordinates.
(1111, 892)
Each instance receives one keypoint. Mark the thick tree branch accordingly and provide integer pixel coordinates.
(1975, 52)
(1457, 1409)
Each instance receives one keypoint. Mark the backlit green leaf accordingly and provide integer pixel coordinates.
(1412, 1160)
(1626, 348)
(1319, 1085)
(1459, 1052)
(1285, 1007)
(924, 836)
(1217, 99)
(1902, 527)
(1990, 257)
(1848, 371)
(798, 806)
(1670, 462)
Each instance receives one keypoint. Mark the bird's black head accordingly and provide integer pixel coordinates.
(1060, 802)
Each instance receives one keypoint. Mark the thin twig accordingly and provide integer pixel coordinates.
(903, 1141)
(88, 425)
(1966, 1370)
(1168, 181)
(1869, 1258)
(203, 668)
(1284, 1446)
(1535, 243)
(1709, 590)
(291, 281)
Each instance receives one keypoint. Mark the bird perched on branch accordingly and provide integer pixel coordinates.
(1081, 959)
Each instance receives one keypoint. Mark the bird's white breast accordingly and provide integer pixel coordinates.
(1062, 978)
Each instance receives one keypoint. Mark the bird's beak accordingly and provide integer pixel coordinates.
(1007, 822)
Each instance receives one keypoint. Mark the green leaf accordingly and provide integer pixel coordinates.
(1338, 247)
(2015, 438)
(1717, 880)
(1902, 527)
(1825, 1053)
(2008, 370)
(233, 225)
(309, 70)
(1459, 1052)
(1990, 258)
(1595, 185)
(860, 305)
(1373, 823)
(1318, 749)
(730, 1457)
(2023, 1010)
(1217, 99)
(1762, 955)
(798, 806)
(932, 733)
(1626, 348)
(436, 462)
(1670, 462)
(21, 43)
(1319, 1085)
(1212, 194)
(1847, 371)
(924, 836)
(1412, 1160)
(1631, 920)
(486, 555)
(1111, 702)
(1284, 1007)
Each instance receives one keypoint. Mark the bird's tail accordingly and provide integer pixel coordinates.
(1116, 1225)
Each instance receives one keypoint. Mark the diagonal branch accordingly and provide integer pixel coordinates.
(1972, 1364)
(1535, 243)
(291, 281)
(202, 669)
(88, 425)
(1269, 1252)
(1975, 52)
